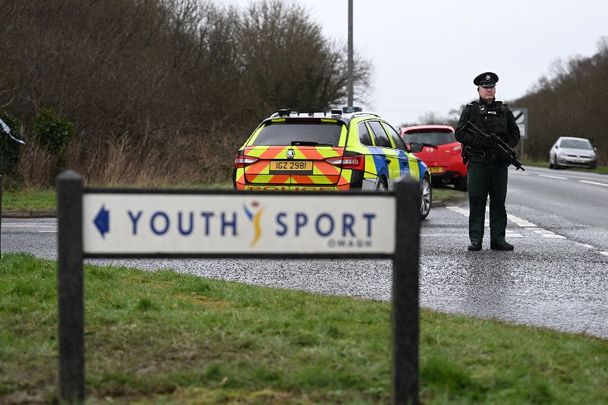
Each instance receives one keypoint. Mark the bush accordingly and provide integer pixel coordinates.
(52, 132)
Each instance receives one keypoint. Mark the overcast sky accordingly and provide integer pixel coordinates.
(426, 53)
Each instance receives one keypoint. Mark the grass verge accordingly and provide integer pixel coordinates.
(46, 199)
(449, 195)
(545, 164)
(29, 200)
(158, 337)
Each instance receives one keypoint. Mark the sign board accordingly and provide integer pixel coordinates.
(237, 224)
(167, 223)
(521, 119)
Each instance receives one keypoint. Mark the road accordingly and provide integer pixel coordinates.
(574, 203)
(557, 277)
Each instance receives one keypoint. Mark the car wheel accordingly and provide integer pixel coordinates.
(381, 185)
(551, 165)
(556, 166)
(461, 184)
(426, 197)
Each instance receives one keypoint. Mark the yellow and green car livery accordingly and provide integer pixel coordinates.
(327, 151)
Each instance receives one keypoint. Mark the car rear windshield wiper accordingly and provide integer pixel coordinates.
(309, 143)
(430, 145)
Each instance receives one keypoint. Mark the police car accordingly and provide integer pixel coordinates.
(327, 151)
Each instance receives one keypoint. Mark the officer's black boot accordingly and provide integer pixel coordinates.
(502, 245)
(475, 246)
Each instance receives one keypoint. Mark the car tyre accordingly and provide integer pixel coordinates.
(426, 197)
(556, 166)
(381, 185)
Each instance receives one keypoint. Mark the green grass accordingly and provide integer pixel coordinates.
(29, 200)
(46, 199)
(161, 337)
(448, 195)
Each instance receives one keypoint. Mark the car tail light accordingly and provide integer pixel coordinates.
(242, 161)
(356, 162)
(457, 148)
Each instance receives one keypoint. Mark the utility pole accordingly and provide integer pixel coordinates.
(350, 53)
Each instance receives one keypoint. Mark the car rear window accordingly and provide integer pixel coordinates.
(433, 138)
(576, 144)
(286, 133)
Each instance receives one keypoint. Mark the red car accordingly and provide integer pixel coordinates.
(440, 151)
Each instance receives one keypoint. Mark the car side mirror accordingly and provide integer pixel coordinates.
(556, 147)
(413, 147)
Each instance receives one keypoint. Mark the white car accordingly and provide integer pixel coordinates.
(569, 151)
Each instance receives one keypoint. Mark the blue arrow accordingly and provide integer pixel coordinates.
(102, 221)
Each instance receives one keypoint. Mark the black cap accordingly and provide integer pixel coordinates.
(486, 79)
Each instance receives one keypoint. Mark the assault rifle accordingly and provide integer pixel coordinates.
(494, 140)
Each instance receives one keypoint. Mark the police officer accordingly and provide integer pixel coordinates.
(487, 168)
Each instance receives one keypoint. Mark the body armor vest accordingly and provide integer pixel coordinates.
(492, 118)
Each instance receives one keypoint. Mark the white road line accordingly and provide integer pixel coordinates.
(459, 210)
(47, 231)
(443, 235)
(532, 227)
(595, 183)
(511, 234)
(552, 177)
(10, 225)
(548, 234)
(521, 222)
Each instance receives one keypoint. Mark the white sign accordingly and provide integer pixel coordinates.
(521, 119)
(237, 224)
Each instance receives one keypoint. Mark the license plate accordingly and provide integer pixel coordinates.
(436, 169)
(289, 166)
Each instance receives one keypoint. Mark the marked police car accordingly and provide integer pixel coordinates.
(327, 151)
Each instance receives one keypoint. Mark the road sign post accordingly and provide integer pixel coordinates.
(405, 320)
(70, 288)
(521, 119)
(1, 188)
(128, 223)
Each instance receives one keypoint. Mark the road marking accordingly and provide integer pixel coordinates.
(521, 222)
(585, 245)
(511, 234)
(47, 231)
(552, 177)
(459, 210)
(604, 253)
(595, 183)
(442, 235)
(12, 225)
(548, 234)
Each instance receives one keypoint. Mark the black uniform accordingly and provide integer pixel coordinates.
(487, 169)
